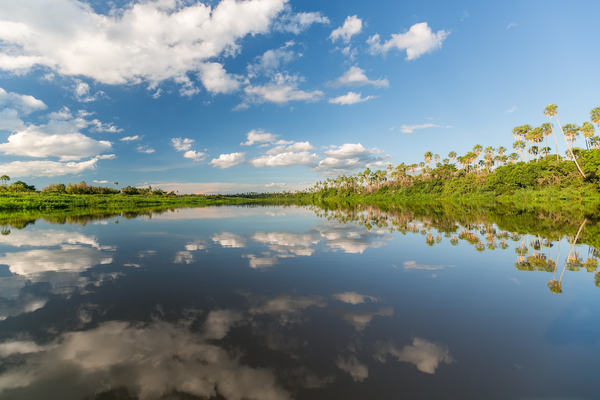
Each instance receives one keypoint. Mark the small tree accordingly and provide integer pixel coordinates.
(4, 179)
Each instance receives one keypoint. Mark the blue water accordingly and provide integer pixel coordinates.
(279, 303)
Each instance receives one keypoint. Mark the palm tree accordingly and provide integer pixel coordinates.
(116, 184)
(551, 109)
(4, 179)
(477, 149)
(546, 130)
(588, 132)
(452, 155)
(428, 157)
(595, 116)
(519, 146)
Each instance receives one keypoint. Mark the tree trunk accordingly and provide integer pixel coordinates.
(554, 135)
(569, 146)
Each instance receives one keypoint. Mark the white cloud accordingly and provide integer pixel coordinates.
(19, 169)
(182, 144)
(281, 90)
(413, 128)
(418, 40)
(511, 25)
(352, 26)
(144, 149)
(228, 160)
(299, 22)
(258, 136)
(83, 92)
(285, 159)
(272, 59)
(350, 98)
(216, 80)
(10, 120)
(195, 155)
(291, 147)
(129, 138)
(24, 104)
(32, 142)
(512, 109)
(423, 354)
(350, 157)
(150, 41)
(355, 76)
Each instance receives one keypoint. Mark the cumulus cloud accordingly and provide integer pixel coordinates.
(182, 144)
(352, 26)
(129, 138)
(216, 80)
(361, 319)
(351, 240)
(349, 98)
(287, 147)
(418, 40)
(413, 128)
(299, 22)
(149, 41)
(285, 159)
(258, 136)
(145, 149)
(24, 104)
(32, 142)
(195, 155)
(83, 92)
(423, 354)
(355, 76)
(20, 169)
(350, 157)
(281, 89)
(271, 60)
(228, 160)
(185, 145)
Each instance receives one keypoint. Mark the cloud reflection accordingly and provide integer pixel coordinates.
(423, 354)
(151, 361)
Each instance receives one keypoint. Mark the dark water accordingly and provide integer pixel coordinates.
(279, 303)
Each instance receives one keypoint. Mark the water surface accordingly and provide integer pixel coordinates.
(289, 302)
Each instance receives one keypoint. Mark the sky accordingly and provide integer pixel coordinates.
(269, 95)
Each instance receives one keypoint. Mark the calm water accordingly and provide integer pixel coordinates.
(281, 303)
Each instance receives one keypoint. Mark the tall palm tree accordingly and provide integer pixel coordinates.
(551, 110)
(4, 179)
(452, 155)
(428, 157)
(519, 146)
(595, 116)
(587, 130)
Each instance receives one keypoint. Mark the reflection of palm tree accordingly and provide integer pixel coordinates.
(569, 257)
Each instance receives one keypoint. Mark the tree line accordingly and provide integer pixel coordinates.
(530, 165)
(79, 188)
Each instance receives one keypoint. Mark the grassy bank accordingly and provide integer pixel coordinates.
(51, 201)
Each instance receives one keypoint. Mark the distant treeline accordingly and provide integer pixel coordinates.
(81, 188)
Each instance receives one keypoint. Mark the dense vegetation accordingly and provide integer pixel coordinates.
(530, 173)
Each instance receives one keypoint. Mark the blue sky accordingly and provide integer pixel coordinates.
(222, 96)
